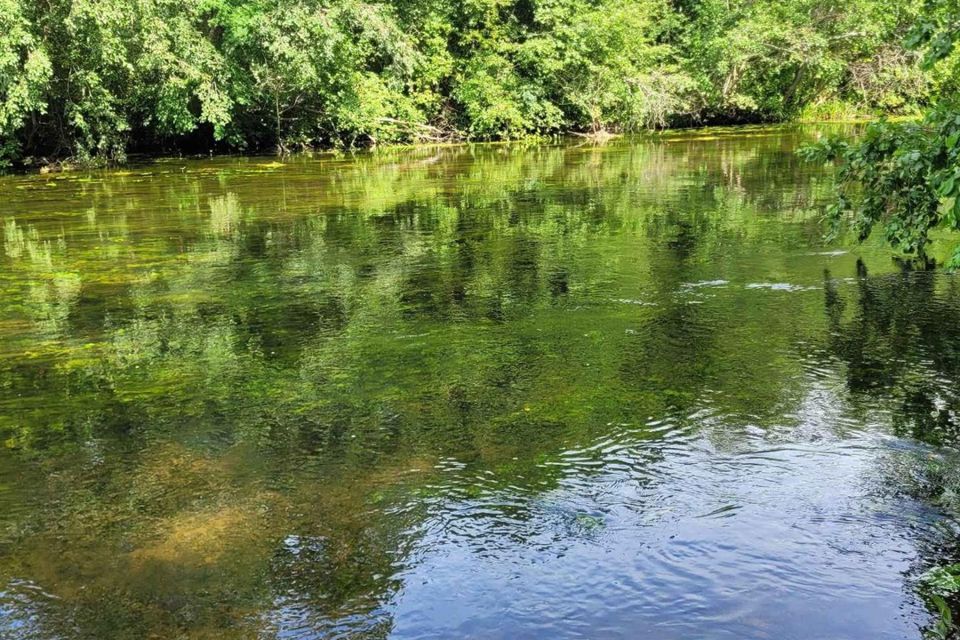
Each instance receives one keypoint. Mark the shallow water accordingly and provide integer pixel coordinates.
(624, 391)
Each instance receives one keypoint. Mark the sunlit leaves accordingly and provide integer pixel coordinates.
(25, 73)
(904, 176)
(776, 58)
(937, 32)
(89, 79)
(938, 585)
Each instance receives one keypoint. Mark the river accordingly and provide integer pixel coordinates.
(495, 391)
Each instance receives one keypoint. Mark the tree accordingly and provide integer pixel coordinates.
(25, 74)
(906, 176)
(88, 80)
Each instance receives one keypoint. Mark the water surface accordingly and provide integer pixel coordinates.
(561, 391)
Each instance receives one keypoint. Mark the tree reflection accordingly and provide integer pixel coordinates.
(238, 386)
(899, 341)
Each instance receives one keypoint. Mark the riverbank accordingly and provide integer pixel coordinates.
(47, 166)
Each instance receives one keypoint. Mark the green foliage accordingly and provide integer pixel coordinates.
(25, 72)
(771, 59)
(939, 585)
(904, 176)
(91, 79)
(604, 65)
(305, 71)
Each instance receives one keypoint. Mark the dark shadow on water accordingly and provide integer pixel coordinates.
(900, 342)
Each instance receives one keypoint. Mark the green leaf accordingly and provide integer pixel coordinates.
(947, 186)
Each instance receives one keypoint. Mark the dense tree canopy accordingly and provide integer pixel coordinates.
(93, 79)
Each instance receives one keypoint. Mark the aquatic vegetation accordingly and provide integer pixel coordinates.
(312, 398)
